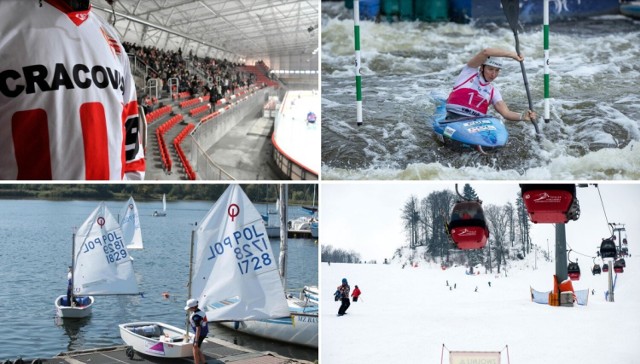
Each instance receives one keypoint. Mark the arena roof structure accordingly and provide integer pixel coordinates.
(282, 33)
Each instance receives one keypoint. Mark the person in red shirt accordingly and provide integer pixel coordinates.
(356, 293)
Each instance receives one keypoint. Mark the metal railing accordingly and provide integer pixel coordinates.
(205, 167)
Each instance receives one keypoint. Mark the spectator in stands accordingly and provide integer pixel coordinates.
(68, 105)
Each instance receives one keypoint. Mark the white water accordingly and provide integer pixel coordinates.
(595, 112)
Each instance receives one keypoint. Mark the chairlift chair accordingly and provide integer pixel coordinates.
(608, 249)
(573, 271)
(550, 203)
(467, 226)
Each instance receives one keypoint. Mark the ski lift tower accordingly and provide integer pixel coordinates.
(618, 228)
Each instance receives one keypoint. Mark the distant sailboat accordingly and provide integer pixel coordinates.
(229, 242)
(130, 225)
(164, 207)
(101, 264)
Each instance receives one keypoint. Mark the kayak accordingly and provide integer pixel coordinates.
(483, 133)
(631, 9)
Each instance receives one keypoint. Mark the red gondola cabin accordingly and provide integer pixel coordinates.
(550, 203)
(573, 271)
(467, 226)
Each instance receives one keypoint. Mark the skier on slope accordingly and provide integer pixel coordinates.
(344, 290)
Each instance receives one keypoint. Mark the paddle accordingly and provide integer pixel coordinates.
(512, 11)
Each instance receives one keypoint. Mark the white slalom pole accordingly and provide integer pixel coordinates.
(356, 33)
(546, 60)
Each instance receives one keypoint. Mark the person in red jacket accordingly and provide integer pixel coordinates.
(356, 293)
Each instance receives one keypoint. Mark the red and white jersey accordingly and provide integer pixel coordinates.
(472, 95)
(68, 106)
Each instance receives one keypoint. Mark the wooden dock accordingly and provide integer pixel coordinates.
(216, 351)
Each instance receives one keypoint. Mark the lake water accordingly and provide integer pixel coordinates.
(593, 134)
(35, 250)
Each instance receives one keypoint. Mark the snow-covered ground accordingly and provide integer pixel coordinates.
(406, 315)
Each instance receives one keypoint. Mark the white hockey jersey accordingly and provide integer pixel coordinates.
(68, 108)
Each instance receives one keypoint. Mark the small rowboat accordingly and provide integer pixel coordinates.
(482, 133)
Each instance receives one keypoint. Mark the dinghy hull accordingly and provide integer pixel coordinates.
(74, 312)
(156, 339)
(299, 328)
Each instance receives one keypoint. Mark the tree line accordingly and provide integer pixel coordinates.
(425, 225)
(330, 254)
(258, 193)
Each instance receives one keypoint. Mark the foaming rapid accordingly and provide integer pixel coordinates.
(595, 107)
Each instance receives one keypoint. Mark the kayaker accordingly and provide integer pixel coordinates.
(473, 90)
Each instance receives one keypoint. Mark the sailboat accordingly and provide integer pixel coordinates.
(232, 273)
(300, 324)
(130, 225)
(164, 208)
(100, 264)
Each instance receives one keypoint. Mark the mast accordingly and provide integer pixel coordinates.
(73, 263)
(193, 233)
(284, 234)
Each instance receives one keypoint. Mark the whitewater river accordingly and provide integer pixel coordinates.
(595, 107)
(35, 242)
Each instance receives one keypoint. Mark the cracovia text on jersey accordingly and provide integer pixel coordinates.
(13, 83)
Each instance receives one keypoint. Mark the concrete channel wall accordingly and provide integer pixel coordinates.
(209, 133)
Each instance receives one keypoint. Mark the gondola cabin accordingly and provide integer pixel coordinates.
(605, 267)
(618, 267)
(608, 249)
(596, 269)
(624, 241)
(467, 226)
(573, 271)
(549, 203)
(622, 262)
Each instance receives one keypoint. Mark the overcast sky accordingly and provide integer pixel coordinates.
(365, 216)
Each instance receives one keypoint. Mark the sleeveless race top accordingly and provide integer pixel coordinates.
(471, 95)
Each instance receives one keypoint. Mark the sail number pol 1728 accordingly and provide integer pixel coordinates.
(249, 247)
(112, 245)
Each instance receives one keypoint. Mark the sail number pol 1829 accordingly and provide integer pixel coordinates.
(112, 245)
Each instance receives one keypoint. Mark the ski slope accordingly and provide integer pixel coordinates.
(406, 315)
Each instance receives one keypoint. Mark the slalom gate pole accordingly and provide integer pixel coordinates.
(545, 27)
(356, 33)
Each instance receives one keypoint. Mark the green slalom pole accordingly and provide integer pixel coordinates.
(545, 27)
(356, 33)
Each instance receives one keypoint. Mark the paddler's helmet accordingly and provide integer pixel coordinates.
(493, 62)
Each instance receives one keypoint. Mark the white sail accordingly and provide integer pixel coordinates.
(164, 203)
(130, 225)
(235, 274)
(102, 262)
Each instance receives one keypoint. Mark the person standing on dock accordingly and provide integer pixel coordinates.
(473, 90)
(198, 321)
(344, 290)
